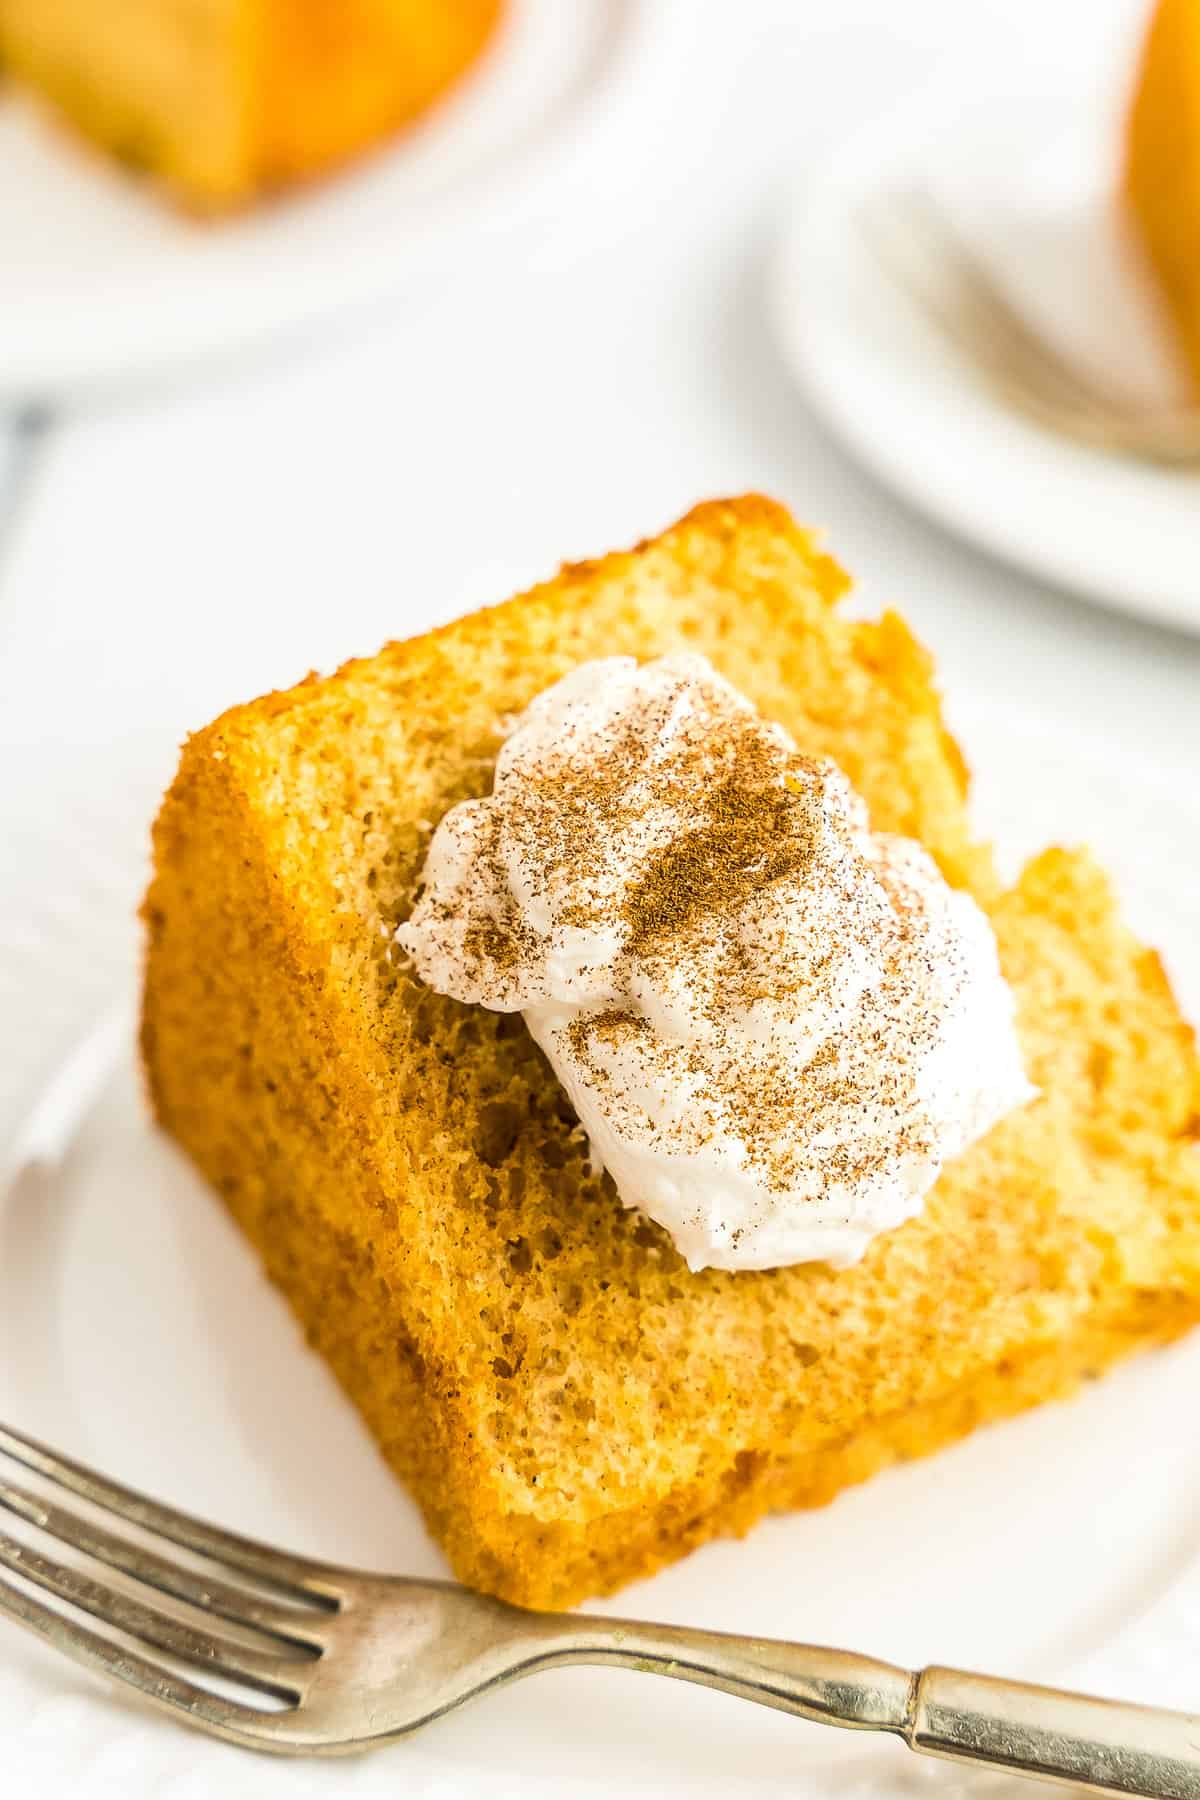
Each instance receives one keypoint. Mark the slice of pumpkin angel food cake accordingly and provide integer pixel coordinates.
(601, 1019)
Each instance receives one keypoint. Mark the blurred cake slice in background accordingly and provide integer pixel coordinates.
(1162, 166)
(227, 100)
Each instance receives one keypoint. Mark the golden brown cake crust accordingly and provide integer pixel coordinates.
(570, 1405)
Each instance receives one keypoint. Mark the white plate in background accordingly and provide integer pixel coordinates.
(101, 281)
(136, 1331)
(903, 399)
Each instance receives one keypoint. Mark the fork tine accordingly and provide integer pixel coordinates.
(227, 1718)
(980, 320)
(282, 1625)
(1055, 369)
(294, 1576)
(992, 332)
(269, 1673)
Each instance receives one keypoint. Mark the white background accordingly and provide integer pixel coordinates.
(579, 383)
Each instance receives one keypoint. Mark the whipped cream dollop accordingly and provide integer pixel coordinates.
(774, 1024)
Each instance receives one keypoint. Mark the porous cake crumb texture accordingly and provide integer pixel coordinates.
(572, 1407)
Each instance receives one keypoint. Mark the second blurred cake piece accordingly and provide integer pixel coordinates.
(227, 100)
(1162, 167)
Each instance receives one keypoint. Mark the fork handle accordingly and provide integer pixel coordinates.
(1103, 1746)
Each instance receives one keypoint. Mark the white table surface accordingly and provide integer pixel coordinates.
(603, 369)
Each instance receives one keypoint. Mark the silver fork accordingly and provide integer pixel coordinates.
(305, 1658)
(924, 254)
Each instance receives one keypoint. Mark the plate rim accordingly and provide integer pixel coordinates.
(811, 230)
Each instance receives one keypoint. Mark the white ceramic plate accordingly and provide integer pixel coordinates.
(904, 401)
(135, 1330)
(100, 281)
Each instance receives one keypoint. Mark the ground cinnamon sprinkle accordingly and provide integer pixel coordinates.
(488, 942)
(752, 831)
(674, 828)
(721, 914)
